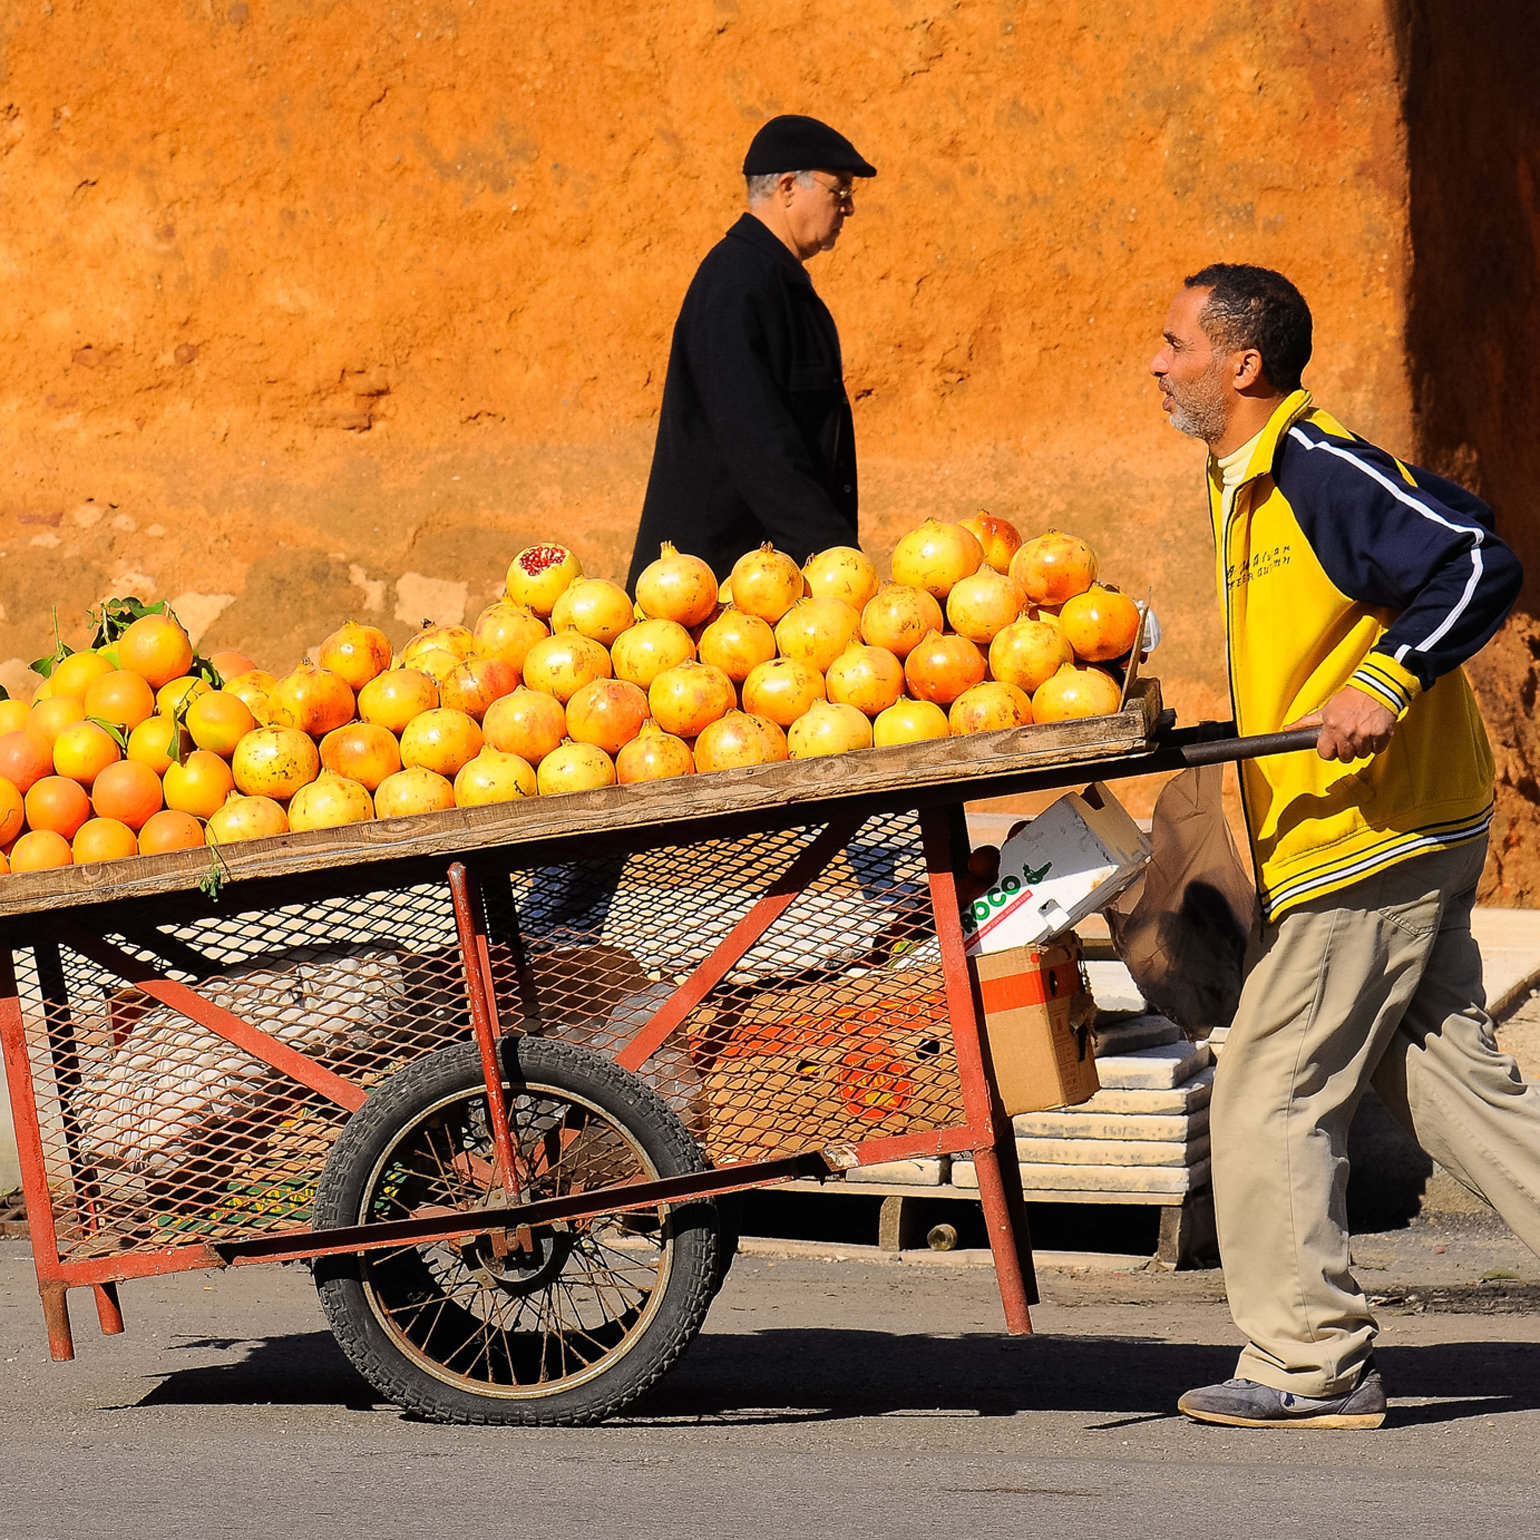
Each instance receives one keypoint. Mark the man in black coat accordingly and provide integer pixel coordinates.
(755, 438)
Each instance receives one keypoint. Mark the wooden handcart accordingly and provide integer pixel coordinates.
(493, 1072)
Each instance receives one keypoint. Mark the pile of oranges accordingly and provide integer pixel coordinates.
(563, 684)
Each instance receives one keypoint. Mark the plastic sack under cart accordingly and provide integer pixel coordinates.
(1181, 930)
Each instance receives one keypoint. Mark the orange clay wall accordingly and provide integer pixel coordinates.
(313, 309)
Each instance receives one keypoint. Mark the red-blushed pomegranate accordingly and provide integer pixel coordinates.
(413, 790)
(828, 728)
(476, 683)
(936, 557)
(842, 572)
(362, 752)
(574, 767)
(1077, 690)
(1054, 567)
(314, 700)
(507, 630)
(988, 708)
(942, 667)
(868, 678)
(983, 605)
(678, 588)
(594, 607)
(493, 776)
(355, 653)
(528, 723)
(1027, 652)
(999, 539)
(654, 755)
(782, 690)
(538, 577)
(737, 643)
(898, 617)
(1100, 624)
(817, 631)
(562, 664)
(643, 652)
(775, 737)
(736, 740)
(910, 721)
(687, 698)
(766, 583)
(607, 713)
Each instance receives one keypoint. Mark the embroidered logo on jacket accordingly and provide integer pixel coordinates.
(1259, 564)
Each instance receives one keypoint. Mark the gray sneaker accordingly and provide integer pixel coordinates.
(1246, 1404)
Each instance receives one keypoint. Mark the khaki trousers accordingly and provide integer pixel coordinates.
(1378, 983)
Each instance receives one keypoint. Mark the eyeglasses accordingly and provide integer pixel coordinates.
(840, 192)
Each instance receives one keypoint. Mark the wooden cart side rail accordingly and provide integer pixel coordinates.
(984, 765)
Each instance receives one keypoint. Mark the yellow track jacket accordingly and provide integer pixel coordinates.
(1338, 565)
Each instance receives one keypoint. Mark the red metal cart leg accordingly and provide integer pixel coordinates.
(108, 1311)
(994, 1154)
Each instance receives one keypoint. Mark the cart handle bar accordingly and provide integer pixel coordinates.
(1224, 751)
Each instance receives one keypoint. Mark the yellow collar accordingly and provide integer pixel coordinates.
(1265, 449)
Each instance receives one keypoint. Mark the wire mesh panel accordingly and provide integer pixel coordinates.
(832, 1027)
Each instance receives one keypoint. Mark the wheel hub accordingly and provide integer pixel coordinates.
(521, 1260)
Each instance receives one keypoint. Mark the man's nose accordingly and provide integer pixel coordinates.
(1158, 365)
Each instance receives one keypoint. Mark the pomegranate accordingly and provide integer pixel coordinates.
(1100, 624)
(393, 698)
(246, 818)
(356, 653)
(607, 713)
(507, 630)
(1054, 567)
(438, 663)
(493, 776)
(765, 583)
(561, 665)
(869, 678)
(329, 802)
(362, 752)
(998, 538)
(942, 667)
(689, 697)
(736, 643)
(643, 652)
(828, 728)
(654, 755)
(782, 690)
(527, 723)
(1077, 690)
(987, 708)
(459, 640)
(594, 607)
(936, 556)
(1027, 652)
(775, 737)
(909, 721)
(842, 572)
(898, 616)
(736, 740)
(314, 700)
(440, 740)
(678, 588)
(817, 631)
(982, 605)
(476, 683)
(538, 576)
(413, 790)
(574, 767)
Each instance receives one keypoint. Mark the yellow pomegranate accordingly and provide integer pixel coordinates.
(678, 588)
(493, 776)
(868, 678)
(413, 790)
(274, 762)
(988, 708)
(775, 737)
(460, 641)
(910, 721)
(527, 723)
(817, 631)
(736, 643)
(685, 699)
(765, 583)
(314, 700)
(246, 818)
(983, 605)
(438, 663)
(643, 652)
(507, 630)
(1077, 690)
(441, 741)
(842, 572)
(607, 713)
(392, 699)
(1027, 652)
(782, 690)
(736, 740)
(539, 575)
(562, 664)
(255, 688)
(998, 538)
(355, 653)
(593, 607)
(329, 802)
(828, 728)
(654, 755)
(935, 557)
(574, 767)
(899, 617)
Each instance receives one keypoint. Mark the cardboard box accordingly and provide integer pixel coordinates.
(1037, 1016)
(1073, 858)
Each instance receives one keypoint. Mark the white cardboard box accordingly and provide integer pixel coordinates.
(1067, 863)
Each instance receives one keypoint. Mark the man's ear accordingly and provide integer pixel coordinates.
(1248, 369)
(787, 186)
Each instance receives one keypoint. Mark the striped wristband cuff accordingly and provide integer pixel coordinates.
(1383, 679)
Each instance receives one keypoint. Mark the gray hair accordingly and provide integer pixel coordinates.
(762, 187)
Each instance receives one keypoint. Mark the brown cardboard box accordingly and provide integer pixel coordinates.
(1037, 1014)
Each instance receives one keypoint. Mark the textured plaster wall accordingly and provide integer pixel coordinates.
(311, 309)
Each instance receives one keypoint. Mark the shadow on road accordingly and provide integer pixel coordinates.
(815, 1375)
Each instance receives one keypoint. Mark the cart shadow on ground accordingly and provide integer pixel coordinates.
(829, 1375)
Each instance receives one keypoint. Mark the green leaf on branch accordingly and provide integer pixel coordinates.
(61, 650)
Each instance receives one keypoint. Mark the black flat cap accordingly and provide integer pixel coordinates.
(794, 143)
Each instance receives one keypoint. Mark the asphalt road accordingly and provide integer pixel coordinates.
(822, 1400)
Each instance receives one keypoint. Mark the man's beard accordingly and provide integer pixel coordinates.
(1199, 410)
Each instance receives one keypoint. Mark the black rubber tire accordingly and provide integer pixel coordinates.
(691, 1233)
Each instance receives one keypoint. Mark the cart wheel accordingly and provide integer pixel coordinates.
(568, 1327)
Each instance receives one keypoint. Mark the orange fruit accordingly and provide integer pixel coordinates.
(246, 818)
(77, 673)
(275, 762)
(103, 839)
(363, 752)
(156, 648)
(392, 699)
(218, 721)
(199, 785)
(13, 814)
(83, 750)
(57, 803)
(50, 717)
(14, 715)
(128, 791)
(157, 741)
(40, 851)
(25, 757)
(170, 830)
(122, 697)
(170, 698)
(230, 665)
